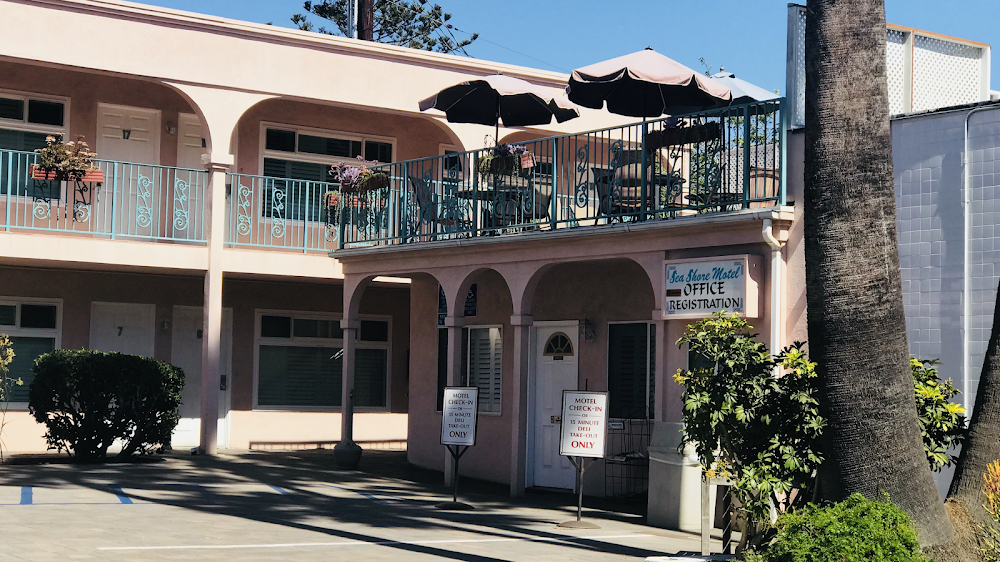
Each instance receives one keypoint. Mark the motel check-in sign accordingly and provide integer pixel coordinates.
(458, 416)
(584, 424)
(698, 288)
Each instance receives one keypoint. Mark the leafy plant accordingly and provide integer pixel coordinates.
(88, 399)
(502, 159)
(991, 533)
(7, 383)
(759, 430)
(359, 178)
(72, 159)
(854, 530)
(942, 423)
(396, 22)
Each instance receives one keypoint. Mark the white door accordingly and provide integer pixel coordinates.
(123, 327)
(190, 142)
(128, 134)
(555, 368)
(185, 352)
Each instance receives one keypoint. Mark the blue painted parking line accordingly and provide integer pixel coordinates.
(281, 491)
(26, 495)
(369, 496)
(121, 495)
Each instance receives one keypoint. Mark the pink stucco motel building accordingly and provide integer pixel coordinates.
(211, 244)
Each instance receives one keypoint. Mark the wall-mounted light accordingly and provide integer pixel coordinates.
(165, 325)
(171, 129)
(587, 331)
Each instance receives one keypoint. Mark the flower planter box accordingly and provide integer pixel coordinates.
(90, 176)
(375, 181)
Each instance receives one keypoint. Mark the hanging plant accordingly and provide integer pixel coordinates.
(356, 179)
(505, 159)
(61, 161)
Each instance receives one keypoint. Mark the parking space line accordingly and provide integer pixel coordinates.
(121, 495)
(281, 491)
(26, 495)
(567, 539)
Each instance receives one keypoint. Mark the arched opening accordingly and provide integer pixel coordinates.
(593, 331)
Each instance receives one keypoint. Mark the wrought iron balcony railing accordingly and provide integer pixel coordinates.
(717, 161)
(135, 201)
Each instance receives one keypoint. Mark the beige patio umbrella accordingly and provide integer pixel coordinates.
(645, 84)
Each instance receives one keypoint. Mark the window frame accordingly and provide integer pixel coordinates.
(293, 341)
(16, 331)
(24, 125)
(309, 157)
(468, 366)
(650, 369)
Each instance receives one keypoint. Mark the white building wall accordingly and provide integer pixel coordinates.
(928, 155)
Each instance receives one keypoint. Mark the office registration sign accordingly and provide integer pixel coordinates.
(699, 288)
(584, 424)
(458, 416)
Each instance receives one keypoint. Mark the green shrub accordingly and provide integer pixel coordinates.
(854, 530)
(942, 423)
(760, 431)
(88, 399)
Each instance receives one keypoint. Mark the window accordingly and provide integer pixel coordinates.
(31, 111)
(558, 346)
(631, 360)
(337, 145)
(300, 361)
(33, 327)
(25, 121)
(484, 365)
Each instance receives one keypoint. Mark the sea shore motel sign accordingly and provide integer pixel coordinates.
(697, 288)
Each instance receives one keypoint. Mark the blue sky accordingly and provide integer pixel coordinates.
(747, 37)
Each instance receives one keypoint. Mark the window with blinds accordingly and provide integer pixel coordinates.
(631, 360)
(300, 196)
(300, 362)
(485, 365)
(33, 328)
(14, 167)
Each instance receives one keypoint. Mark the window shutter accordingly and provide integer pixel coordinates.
(485, 366)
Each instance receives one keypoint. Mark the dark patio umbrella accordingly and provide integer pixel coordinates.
(489, 100)
(645, 84)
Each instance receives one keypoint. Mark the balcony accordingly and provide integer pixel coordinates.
(134, 201)
(681, 167)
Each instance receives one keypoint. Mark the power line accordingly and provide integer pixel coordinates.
(481, 38)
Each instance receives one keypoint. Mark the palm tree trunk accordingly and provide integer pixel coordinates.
(857, 328)
(982, 443)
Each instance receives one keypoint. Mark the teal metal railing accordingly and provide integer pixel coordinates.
(266, 212)
(134, 201)
(719, 161)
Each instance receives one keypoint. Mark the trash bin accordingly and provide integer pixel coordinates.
(674, 482)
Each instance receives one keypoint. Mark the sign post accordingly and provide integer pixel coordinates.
(582, 436)
(459, 414)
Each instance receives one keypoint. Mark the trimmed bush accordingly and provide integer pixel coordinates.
(89, 399)
(854, 530)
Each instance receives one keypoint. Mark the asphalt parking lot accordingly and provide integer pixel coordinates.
(297, 506)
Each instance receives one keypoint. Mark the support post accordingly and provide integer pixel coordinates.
(578, 463)
(347, 453)
(211, 344)
(521, 325)
(660, 366)
(454, 326)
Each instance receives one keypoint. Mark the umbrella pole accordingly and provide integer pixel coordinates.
(496, 133)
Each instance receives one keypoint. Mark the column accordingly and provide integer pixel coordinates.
(660, 378)
(347, 453)
(211, 356)
(454, 325)
(521, 325)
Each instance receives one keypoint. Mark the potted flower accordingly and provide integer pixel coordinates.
(61, 161)
(357, 179)
(505, 159)
(331, 199)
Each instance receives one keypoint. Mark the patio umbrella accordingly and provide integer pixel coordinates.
(489, 100)
(645, 84)
(743, 91)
